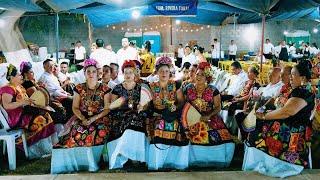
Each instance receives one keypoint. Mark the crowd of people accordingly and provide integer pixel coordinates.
(135, 112)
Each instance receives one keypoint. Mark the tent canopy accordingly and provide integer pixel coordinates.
(211, 12)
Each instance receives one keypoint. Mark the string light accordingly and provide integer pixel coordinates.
(208, 26)
(191, 30)
(146, 29)
(122, 28)
(135, 29)
(201, 28)
(128, 29)
(197, 30)
(150, 28)
(113, 27)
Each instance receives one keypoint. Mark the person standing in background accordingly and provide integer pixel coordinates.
(232, 51)
(268, 49)
(79, 53)
(215, 52)
(180, 55)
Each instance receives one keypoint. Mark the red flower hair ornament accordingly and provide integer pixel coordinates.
(128, 64)
(206, 68)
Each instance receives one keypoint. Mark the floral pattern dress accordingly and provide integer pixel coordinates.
(37, 123)
(126, 117)
(164, 126)
(287, 139)
(91, 103)
(213, 132)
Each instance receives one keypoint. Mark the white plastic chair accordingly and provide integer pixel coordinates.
(9, 139)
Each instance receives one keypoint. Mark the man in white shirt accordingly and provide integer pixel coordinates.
(180, 55)
(112, 55)
(273, 88)
(268, 49)
(189, 56)
(52, 84)
(100, 54)
(232, 51)
(79, 53)
(126, 53)
(215, 52)
(236, 83)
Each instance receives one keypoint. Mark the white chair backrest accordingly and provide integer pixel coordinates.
(4, 118)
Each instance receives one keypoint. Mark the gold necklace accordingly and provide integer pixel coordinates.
(90, 113)
(129, 91)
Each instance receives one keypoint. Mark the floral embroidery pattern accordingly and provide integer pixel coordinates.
(97, 132)
(214, 131)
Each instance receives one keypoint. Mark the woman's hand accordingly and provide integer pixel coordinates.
(205, 118)
(260, 116)
(26, 102)
(90, 120)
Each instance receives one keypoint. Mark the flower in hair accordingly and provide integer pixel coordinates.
(25, 66)
(164, 60)
(90, 62)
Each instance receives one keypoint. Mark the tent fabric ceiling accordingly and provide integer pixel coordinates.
(20, 5)
(211, 12)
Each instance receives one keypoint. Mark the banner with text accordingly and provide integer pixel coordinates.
(173, 8)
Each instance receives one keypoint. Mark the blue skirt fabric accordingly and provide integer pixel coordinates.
(207, 156)
(257, 160)
(168, 156)
(131, 145)
(65, 160)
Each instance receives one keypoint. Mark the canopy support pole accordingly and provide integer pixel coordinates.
(262, 39)
(57, 36)
(90, 33)
(170, 30)
(220, 38)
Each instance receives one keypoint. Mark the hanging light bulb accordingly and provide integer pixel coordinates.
(150, 28)
(201, 28)
(191, 30)
(145, 29)
(135, 29)
(135, 14)
(128, 29)
(140, 29)
(113, 27)
(186, 30)
(122, 28)
(156, 27)
(197, 30)
(181, 30)
(208, 26)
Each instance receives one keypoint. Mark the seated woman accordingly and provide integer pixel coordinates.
(239, 101)
(211, 142)
(278, 146)
(31, 85)
(169, 145)
(80, 148)
(37, 123)
(127, 140)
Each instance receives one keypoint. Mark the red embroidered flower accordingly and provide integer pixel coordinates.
(274, 146)
(89, 140)
(275, 127)
(99, 140)
(308, 133)
(294, 141)
(208, 95)
(192, 95)
(216, 123)
(70, 143)
(102, 133)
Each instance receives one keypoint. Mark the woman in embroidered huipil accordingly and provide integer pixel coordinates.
(169, 146)
(282, 137)
(127, 139)
(211, 142)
